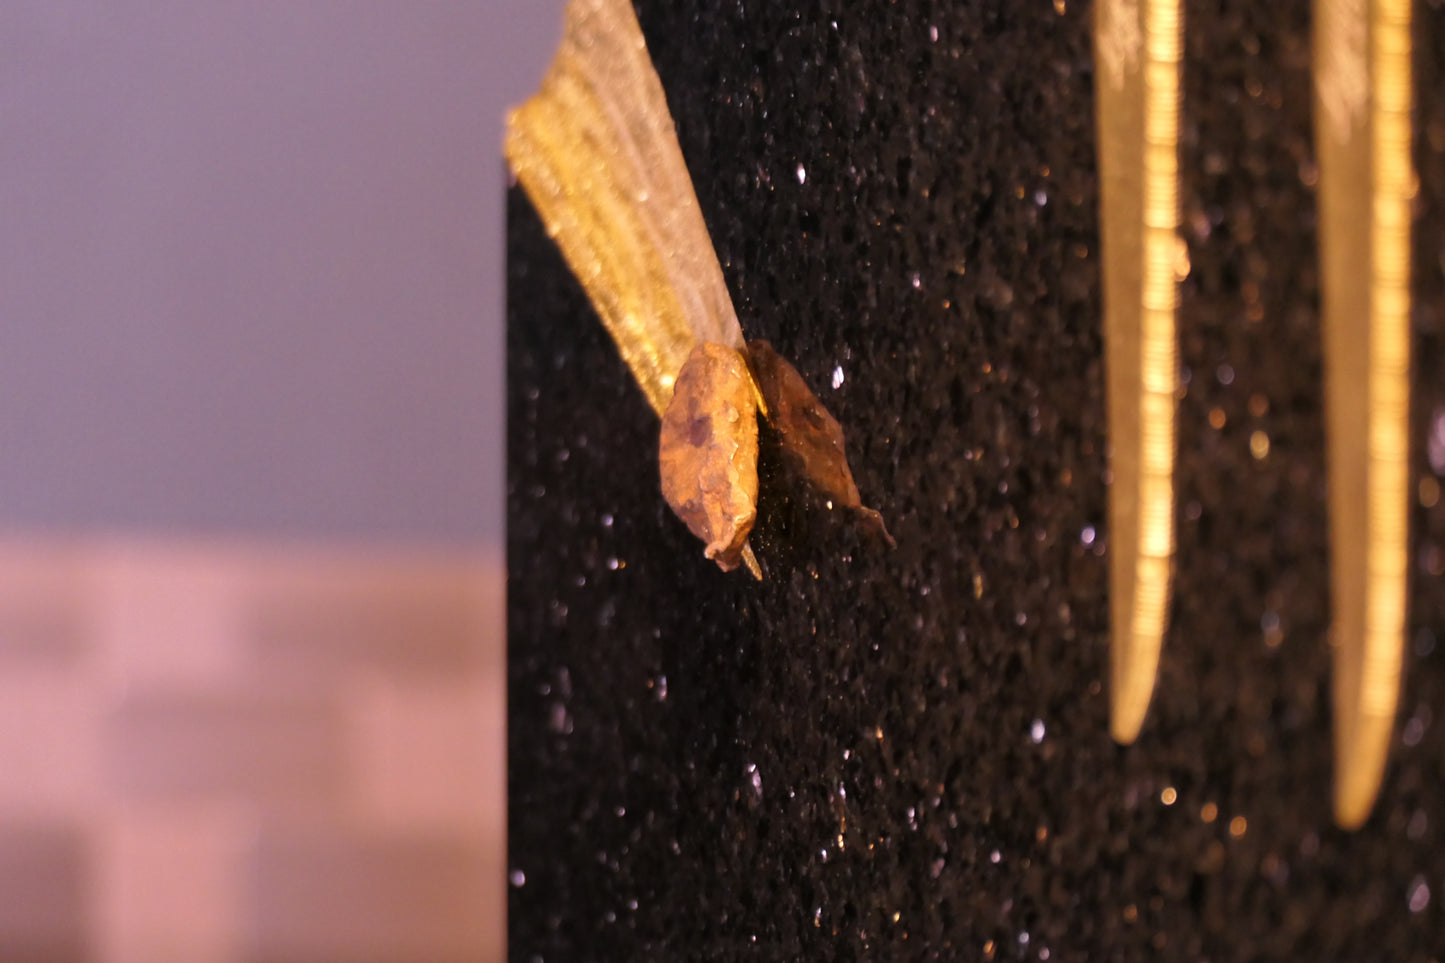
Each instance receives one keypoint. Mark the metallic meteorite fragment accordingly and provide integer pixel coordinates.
(709, 451)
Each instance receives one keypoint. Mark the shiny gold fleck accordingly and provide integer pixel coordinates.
(1259, 445)
(1209, 812)
(1217, 418)
(708, 451)
(1238, 826)
(1182, 264)
(1168, 796)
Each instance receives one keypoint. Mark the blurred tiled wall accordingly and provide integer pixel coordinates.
(250, 754)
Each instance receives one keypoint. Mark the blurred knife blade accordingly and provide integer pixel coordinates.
(1363, 95)
(1137, 47)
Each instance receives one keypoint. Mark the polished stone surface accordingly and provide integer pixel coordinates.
(884, 754)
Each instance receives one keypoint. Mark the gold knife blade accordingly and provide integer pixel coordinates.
(1137, 48)
(1362, 131)
(597, 153)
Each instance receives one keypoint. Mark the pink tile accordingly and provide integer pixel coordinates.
(168, 883)
(287, 751)
(44, 898)
(429, 755)
(370, 898)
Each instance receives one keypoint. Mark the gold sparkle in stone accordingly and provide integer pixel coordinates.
(1259, 445)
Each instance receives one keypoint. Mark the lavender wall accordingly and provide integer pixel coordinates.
(250, 263)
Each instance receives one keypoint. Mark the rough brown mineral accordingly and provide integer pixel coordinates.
(812, 439)
(709, 451)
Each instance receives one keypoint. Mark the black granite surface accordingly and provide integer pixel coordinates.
(903, 755)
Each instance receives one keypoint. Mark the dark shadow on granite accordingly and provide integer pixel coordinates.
(880, 755)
